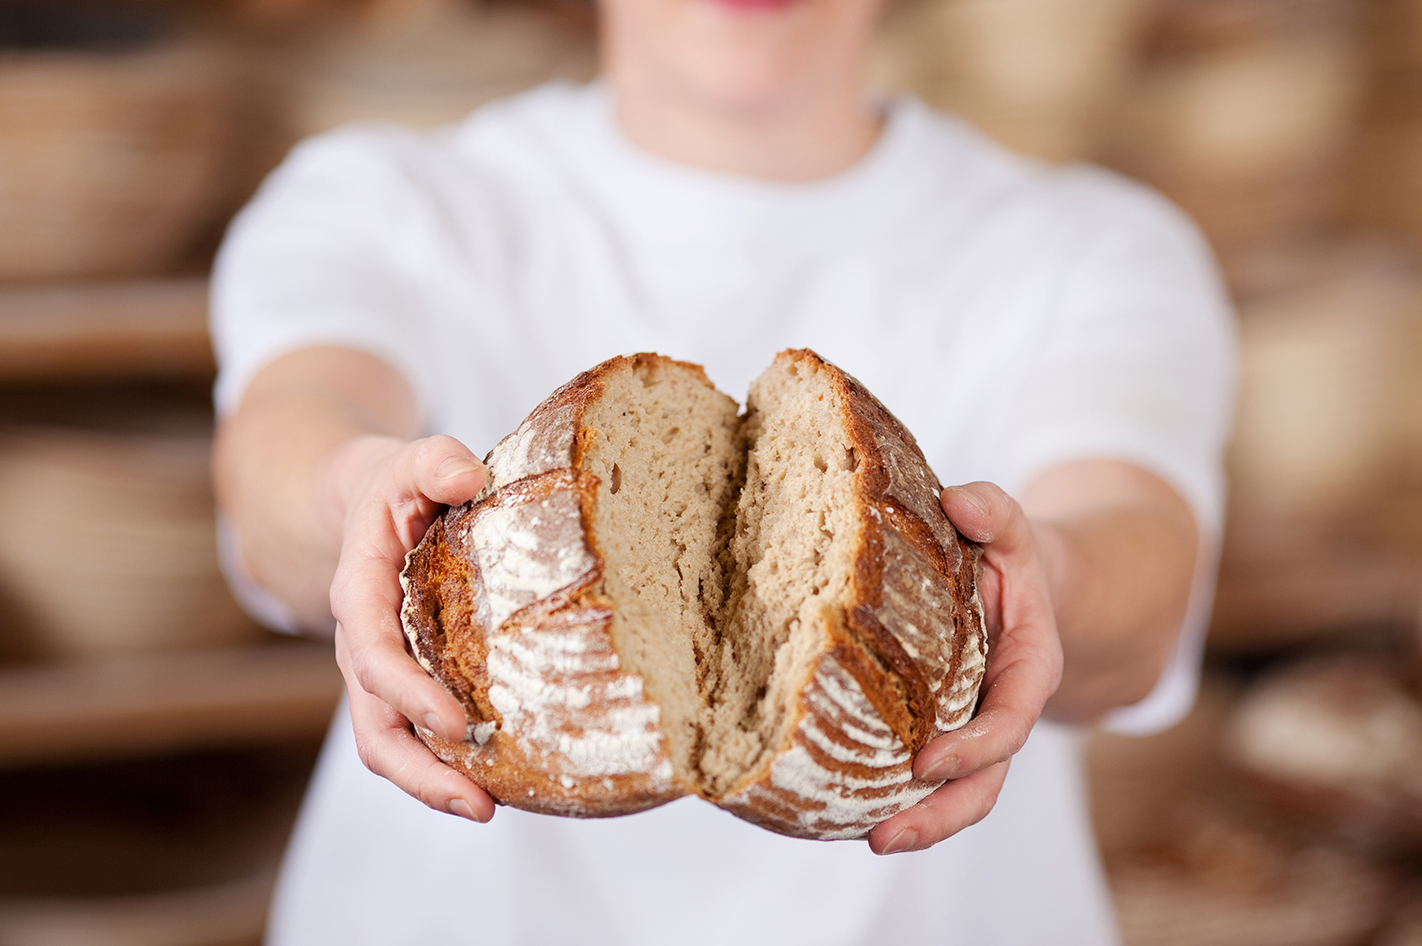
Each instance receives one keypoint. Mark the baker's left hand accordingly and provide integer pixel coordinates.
(1024, 668)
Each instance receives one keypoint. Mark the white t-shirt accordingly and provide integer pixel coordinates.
(1013, 316)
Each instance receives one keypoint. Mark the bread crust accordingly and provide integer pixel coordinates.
(902, 663)
(504, 607)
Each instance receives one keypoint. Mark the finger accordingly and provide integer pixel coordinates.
(1025, 657)
(445, 470)
(424, 475)
(1011, 705)
(378, 665)
(365, 600)
(987, 515)
(952, 807)
(388, 748)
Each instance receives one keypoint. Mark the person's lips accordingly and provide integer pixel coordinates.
(753, 5)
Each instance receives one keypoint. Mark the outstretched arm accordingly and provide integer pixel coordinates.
(318, 471)
(1085, 585)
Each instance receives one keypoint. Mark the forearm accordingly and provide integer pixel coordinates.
(1084, 586)
(1120, 558)
(309, 427)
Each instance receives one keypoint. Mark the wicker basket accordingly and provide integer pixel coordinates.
(435, 70)
(1404, 928)
(1195, 860)
(1326, 380)
(110, 160)
(1250, 139)
(109, 543)
(1338, 740)
(1228, 883)
(1034, 74)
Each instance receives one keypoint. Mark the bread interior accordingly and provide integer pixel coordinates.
(668, 451)
(790, 560)
(728, 548)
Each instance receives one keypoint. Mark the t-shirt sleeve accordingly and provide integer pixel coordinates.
(324, 254)
(1137, 363)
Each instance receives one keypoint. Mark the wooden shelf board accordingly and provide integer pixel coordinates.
(155, 328)
(1303, 598)
(222, 915)
(166, 702)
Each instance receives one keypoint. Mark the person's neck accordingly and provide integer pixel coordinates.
(799, 140)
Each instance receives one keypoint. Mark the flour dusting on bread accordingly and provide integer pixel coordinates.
(657, 595)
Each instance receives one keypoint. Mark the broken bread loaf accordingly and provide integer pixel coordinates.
(655, 596)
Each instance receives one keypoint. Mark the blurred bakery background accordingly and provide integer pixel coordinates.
(154, 742)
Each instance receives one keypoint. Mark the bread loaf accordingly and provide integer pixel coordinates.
(655, 596)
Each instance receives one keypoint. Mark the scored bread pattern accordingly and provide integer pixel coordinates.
(577, 717)
(922, 579)
(844, 771)
(914, 599)
(556, 725)
(526, 551)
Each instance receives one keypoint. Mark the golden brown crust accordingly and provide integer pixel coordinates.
(504, 590)
(439, 600)
(503, 607)
(529, 773)
(910, 647)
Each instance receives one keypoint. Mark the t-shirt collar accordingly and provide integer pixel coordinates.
(667, 201)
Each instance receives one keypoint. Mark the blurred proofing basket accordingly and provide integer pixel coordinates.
(108, 545)
(436, 68)
(1395, 34)
(1194, 861)
(110, 158)
(1324, 385)
(1037, 75)
(1337, 739)
(1184, 26)
(1230, 878)
(1404, 928)
(1138, 781)
(1315, 542)
(1244, 115)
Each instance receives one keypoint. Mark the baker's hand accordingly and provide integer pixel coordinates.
(1024, 668)
(392, 491)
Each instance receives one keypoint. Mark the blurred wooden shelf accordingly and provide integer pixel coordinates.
(150, 329)
(166, 702)
(230, 914)
(1305, 599)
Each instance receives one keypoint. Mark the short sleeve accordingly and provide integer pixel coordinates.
(1137, 363)
(325, 254)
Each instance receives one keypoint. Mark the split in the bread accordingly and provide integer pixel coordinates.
(659, 595)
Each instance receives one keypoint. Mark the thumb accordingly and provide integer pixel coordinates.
(988, 516)
(446, 470)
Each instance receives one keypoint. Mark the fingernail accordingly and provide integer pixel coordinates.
(905, 840)
(460, 807)
(451, 467)
(434, 725)
(971, 499)
(942, 770)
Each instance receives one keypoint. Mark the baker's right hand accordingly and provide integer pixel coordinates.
(391, 491)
